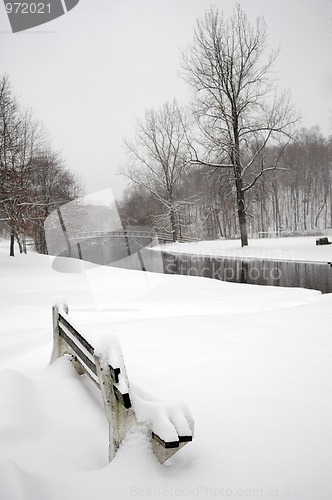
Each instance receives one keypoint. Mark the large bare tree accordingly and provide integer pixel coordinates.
(159, 157)
(236, 105)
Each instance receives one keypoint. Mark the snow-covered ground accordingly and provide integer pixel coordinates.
(296, 248)
(252, 363)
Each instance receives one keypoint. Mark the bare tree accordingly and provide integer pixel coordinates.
(159, 157)
(18, 142)
(236, 105)
(33, 179)
(54, 186)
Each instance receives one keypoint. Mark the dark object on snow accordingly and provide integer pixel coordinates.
(323, 241)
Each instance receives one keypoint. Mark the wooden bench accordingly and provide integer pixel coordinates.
(170, 425)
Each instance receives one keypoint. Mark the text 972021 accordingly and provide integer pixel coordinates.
(28, 8)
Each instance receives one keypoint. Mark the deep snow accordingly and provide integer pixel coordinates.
(252, 363)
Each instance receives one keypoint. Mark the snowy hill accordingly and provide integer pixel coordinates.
(252, 363)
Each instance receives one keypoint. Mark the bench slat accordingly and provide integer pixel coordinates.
(165, 444)
(171, 444)
(87, 361)
(123, 398)
(185, 439)
(77, 335)
(115, 372)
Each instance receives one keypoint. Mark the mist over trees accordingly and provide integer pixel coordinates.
(33, 178)
(247, 166)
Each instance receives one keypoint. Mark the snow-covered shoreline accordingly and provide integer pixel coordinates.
(299, 248)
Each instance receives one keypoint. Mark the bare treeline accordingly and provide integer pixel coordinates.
(235, 162)
(295, 200)
(33, 178)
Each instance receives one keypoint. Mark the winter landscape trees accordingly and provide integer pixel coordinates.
(159, 160)
(34, 180)
(232, 163)
(252, 171)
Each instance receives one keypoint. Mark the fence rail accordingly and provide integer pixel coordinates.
(79, 236)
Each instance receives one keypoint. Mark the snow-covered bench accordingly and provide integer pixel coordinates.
(170, 424)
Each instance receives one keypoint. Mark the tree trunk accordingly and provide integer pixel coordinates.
(24, 244)
(241, 209)
(19, 242)
(173, 224)
(12, 244)
(277, 212)
(242, 221)
(40, 239)
(63, 227)
(218, 224)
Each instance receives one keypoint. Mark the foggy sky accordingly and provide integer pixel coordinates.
(89, 74)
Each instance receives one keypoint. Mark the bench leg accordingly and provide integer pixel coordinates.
(163, 453)
(120, 419)
(60, 347)
(58, 344)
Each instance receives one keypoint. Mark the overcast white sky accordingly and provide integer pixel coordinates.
(91, 72)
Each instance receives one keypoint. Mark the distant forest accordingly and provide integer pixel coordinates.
(295, 199)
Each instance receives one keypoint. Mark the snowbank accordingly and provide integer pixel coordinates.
(252, 363)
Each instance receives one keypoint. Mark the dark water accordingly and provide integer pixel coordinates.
(314, 275)
(108, 251)
(132, 253)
